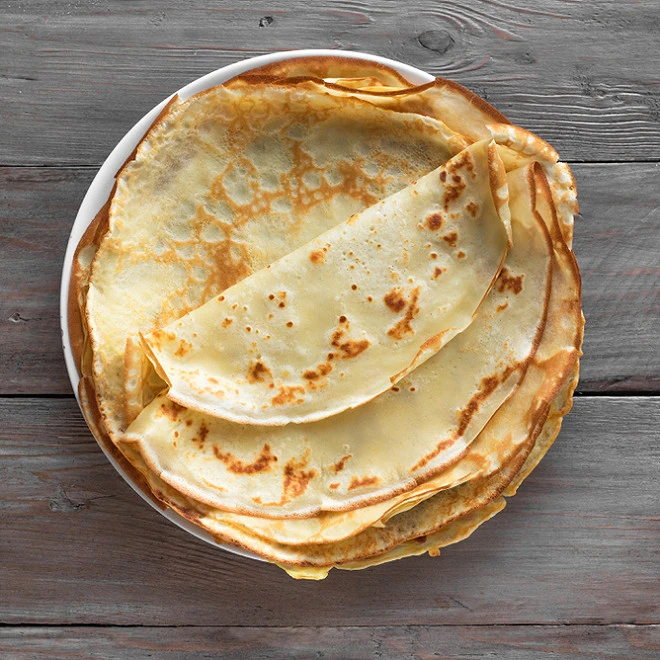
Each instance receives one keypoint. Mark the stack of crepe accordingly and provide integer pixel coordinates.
(331, 317)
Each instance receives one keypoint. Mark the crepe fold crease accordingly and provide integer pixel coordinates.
(329, 316)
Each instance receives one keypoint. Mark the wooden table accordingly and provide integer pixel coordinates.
(570, 569)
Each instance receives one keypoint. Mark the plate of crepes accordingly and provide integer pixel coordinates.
(321, 308)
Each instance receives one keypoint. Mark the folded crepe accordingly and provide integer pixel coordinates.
(343, 318)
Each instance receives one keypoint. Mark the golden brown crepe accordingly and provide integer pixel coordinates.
(364, 304)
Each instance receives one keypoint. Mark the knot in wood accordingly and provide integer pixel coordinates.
(438, 40)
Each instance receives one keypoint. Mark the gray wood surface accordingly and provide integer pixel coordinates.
(569, 569)
(579, 543)
(584, 75)
(406, 643)
(617, 241)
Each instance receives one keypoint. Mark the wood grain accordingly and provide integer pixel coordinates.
(617, 244)
(579, 544)
(584, 75)
(37, 209)
(511, 642)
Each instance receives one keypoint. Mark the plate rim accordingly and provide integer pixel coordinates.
(99, 191)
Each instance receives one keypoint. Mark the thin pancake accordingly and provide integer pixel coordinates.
(454, 532)
(425, 258)
(332, 67)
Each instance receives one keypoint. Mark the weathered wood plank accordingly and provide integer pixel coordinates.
(512, 642)
(579, 544)
(584, 75)
(617, 243)
(37, 209)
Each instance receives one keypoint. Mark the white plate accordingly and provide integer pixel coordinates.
(100, 189)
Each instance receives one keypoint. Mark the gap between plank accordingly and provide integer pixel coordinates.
(46, 395)
(596, 624)
(87, 166)
(624, 394)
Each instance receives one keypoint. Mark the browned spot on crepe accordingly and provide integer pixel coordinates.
(261, 464)
(403, 327)
(357, 482)
(289, 395)
(259, 372)
(508, 282)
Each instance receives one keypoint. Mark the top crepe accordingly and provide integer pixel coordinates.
(341, 319)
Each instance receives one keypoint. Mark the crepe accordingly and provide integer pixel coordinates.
(410, 470)
(201, 455)
(457, 107)
(424, 258)
(356, 71)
